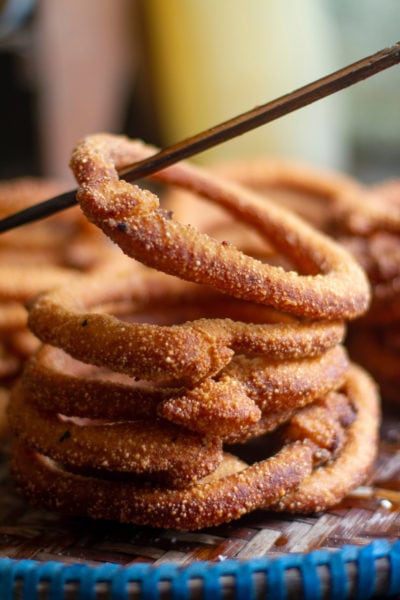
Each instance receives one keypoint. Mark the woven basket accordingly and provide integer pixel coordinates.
(350, 551)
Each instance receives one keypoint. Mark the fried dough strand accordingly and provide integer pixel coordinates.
(332, 286)
(219, 498)
(150, 387)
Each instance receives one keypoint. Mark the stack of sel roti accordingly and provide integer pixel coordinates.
(206, 377)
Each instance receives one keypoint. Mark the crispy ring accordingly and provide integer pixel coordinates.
(366, 221)
(379, 210)
(326, 486)
(275, 388)
(348, 436)
(54, 381)
(49, 252)
(305, 189)
(225, 407)
(133, 219)
(315, 194)
(158, 449)
(174, 354)
(214, 501)
(324, 422)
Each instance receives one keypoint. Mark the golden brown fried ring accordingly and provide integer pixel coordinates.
(327, 485)
(315, 194)
(227, 406)
(180, 354)
(218, 499)
(53, 381)
(47, 253)
(275, 388)
(378, 210)
(134, 220)
(324, 422)
(275, 385)
(23, 283)
(379, 255)
(320, 195)
(158, 449)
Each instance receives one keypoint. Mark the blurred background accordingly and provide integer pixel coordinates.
(164, 70)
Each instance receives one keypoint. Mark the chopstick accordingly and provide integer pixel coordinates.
(321, 88)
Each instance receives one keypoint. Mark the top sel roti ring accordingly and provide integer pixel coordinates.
(329, 283)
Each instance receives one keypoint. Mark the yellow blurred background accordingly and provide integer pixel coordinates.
(166, 69)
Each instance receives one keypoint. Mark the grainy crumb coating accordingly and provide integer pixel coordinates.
(306, 475)
(330, 283)
(144, 376)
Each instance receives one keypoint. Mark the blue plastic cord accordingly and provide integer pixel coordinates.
(89, 580)
(125, 575)
(56, 575)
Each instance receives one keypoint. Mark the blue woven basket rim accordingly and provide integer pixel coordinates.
(148, 576)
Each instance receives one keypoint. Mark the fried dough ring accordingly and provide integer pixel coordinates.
(133, 219)
(214, 501)
(155, 448)
(379, 210)
(55, 382)
(366, 220)
(227, 406)
(315, 194)
(181, 354)
(326, 486)
(324, 422)
(275, 388)
(218, 499)
(354, 207)
(47, 253)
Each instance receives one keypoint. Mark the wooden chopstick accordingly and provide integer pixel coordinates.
(227, 130)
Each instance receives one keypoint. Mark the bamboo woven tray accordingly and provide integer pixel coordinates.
(261, 555)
